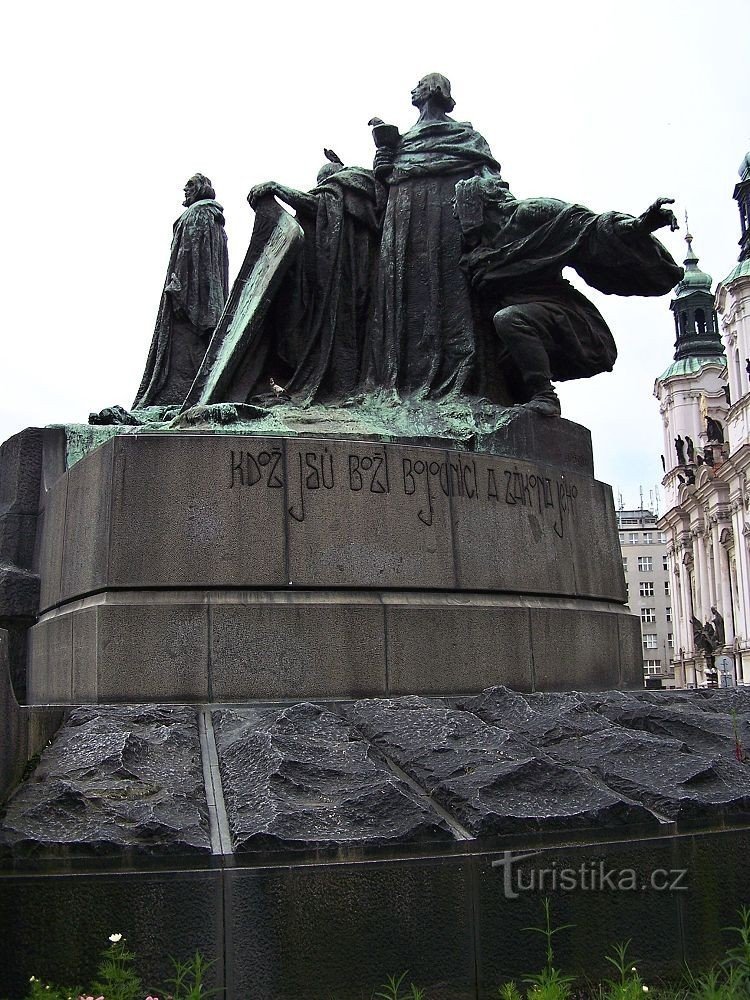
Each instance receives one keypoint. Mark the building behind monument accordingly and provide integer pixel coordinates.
(644, 562)
(704, 398)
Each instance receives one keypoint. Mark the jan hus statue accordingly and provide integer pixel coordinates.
(424, 279)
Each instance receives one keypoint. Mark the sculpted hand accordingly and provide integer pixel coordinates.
(383, 161)
(261, 191)
(657, 216)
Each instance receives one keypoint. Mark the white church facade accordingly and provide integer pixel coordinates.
(704, 400)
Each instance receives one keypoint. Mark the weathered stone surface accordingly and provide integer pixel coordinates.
(540, 719)
(488, 777)
(19, 592)
(324, 931)
(368, 516)
(301, 778)
(87, 533)
(663, 774)
(20, 472)
(446, 647)
(23, 731)
(50, 542)
(243, 645)
(170, 510)
(676, 754)
(17, 539)
(114, 779)
(708, 725)
(284, 647)
(584, 645)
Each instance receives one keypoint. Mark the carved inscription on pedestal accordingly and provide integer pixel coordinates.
(425, 479)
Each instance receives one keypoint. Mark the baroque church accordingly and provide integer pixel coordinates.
(704, 401)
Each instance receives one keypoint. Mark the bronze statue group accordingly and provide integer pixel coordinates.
(423, 278)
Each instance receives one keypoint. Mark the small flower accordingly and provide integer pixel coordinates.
(645, 989)
(633, 969)
(114, 938)
(32, 979)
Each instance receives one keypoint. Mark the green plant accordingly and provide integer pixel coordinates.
(509, 992)
(738, 958)
(115, 977)
(628, 985)
(187, 982)
(391, 990)
(39, 990)
(717, 984)
(550, 983)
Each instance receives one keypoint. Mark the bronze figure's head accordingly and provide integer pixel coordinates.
(435, 86)
(198, 188)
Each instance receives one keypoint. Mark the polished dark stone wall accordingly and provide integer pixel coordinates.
(313, 930)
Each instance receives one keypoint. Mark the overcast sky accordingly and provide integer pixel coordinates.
(108, 109)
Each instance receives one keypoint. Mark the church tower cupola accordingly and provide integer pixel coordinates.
(696, 329)
(742, 197)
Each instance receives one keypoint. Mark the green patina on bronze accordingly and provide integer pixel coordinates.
(462, 422)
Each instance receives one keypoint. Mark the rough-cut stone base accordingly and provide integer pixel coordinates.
(353, 841)
(239, 646)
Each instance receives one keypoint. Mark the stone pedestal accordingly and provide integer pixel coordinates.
(218, 567)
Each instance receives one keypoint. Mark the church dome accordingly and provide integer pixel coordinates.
(694, 279)
(744, 170)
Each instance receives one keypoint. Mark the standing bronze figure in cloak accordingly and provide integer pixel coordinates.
(194, 294)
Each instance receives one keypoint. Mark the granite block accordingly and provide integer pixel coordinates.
(457, 646)
(602, 911)
(19, 594)
(56, 928)
(197, 511)
(510, 528)
(50, 663)
(341, 930)
(631, 651)
(114, 779)
(17, 539)
(50, 542)
(297, 649)
(663, 774)
(301, 778)
(85, 659)
(574, 649)
(20, 472)
(87, 525)
(362, 515)
(152, 652)
(486, 777)
(594, 547)
(717, 884)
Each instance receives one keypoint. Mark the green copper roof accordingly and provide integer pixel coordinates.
(695, 279)
(744, 170)
(691, 366)
(741, 270)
